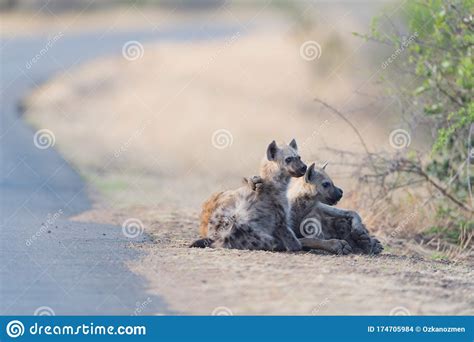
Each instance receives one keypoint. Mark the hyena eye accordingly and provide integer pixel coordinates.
(326, 184)
(288, 160)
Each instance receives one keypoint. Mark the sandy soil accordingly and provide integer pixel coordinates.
(147, 135)
(203, 281)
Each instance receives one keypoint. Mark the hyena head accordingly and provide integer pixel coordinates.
(323, 186)
(286, 159)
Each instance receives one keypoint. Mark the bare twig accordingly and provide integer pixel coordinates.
(346, 120)
(444, 191)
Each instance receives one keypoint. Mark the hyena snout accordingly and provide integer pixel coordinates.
(336, 195)
(299, 169)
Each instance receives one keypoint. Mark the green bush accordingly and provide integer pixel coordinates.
(436, 53)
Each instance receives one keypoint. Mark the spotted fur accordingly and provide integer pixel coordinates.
(256, 220)
(317, 187)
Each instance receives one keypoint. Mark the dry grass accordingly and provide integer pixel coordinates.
(401, 225)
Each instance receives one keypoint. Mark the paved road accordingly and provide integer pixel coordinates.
(47, 260)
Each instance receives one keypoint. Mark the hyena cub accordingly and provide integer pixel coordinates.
(256, 220)
(311, 198)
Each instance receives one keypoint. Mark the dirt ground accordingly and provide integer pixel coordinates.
(206, 281)
(159, 134)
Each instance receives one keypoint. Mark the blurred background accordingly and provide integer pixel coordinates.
(161, 103)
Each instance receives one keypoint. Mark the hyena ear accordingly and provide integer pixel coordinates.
(324, 165)
(272, 151)
(293, 144)
(309, 173)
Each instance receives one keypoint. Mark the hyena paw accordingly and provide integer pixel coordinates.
(340, 247)
(202, 243)
(377, 247)
(294, 246)
(255, 183)
(362, 239)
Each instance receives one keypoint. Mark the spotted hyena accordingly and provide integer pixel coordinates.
(255, 220)
(312, 215)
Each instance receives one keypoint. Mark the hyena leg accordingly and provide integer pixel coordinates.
(358, 232)
(332, 246)
(358, 241)
(288, 239)
(376, 245)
